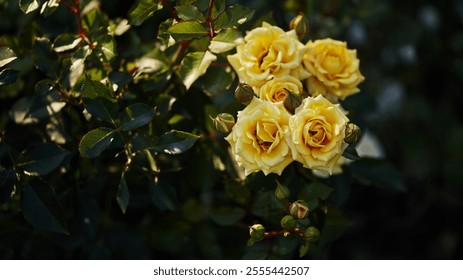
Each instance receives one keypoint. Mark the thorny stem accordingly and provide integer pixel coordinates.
(75, 9)
(272, 234)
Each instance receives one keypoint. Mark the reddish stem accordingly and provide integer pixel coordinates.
(272, 234)
(75, 9)
(209, 19)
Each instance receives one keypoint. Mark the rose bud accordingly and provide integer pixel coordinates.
(292, 101)
(300, 24)
(312, 234)
(352, 133)
(288, 222)
(299, 209)
(244, 93)
(257, 232)
(223, 123)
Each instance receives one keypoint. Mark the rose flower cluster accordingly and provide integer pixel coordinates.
(276, 66)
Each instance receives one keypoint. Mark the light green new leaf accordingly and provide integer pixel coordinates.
(7, 55)
(225, 40)
(8, 76)
(95, 142)
(41, 159)
(136, 115)
(28, 6)
(233, 16)
(175, 142)
(66, 42)
(189, 12)
(187, 30)
(142, 10)
(195, 65)
(123, 194)
(41, 208)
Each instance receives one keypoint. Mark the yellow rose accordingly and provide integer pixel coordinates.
(333, 67)
(275, 89)
(317, 131)
(268, 52)
(260, 138)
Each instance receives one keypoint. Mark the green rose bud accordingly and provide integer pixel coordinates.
(288, 222)
(281, 192)
(312, 234)
(244, 93)
(300, 24)
(292, 101)
(353, 133)
(299, 209)
(223, 123)
(257, 232)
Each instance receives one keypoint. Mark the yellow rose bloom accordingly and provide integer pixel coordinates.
(317, 131)
(275, 89)
(260, 138)
(268, 52)
(333, 67)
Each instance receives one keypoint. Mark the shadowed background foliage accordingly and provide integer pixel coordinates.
(411, 54)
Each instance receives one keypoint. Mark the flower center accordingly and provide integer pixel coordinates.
(332, 64)
(267, 135)
(317, 133)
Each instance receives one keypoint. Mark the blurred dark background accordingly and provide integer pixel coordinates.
(411, 55)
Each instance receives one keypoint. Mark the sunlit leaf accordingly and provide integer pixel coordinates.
(233, 16)
(136, 115)
(107, 45)
(142, 10)
(7, 55)
(175, 142)
(49, 7)
(66, 42)
(28, 6)
(123, 194)
(41, 208)
(95, 142)
(41, 159)
(195, 65)
(187, 30)
(225, 40)
(218, 8)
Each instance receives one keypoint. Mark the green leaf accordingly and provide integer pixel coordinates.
(233, 16)
(107, 46)
(378, 172)
(225, 40)
(41, 159)
(7, 183)
(45, 59)
(98, 100)
(195, 65)
(8, 76)
(136, 115)
(218, 8)
(226, 216)
(304, 249)
(142, 10)
(313, 192)
(49, 7)
(187, 30)
(175, 142)
(7, 55)
(123, 194)
(28, 6)
(66, 42)
(351, 153)
(189, 12)
(41, 208)
(95, 142)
